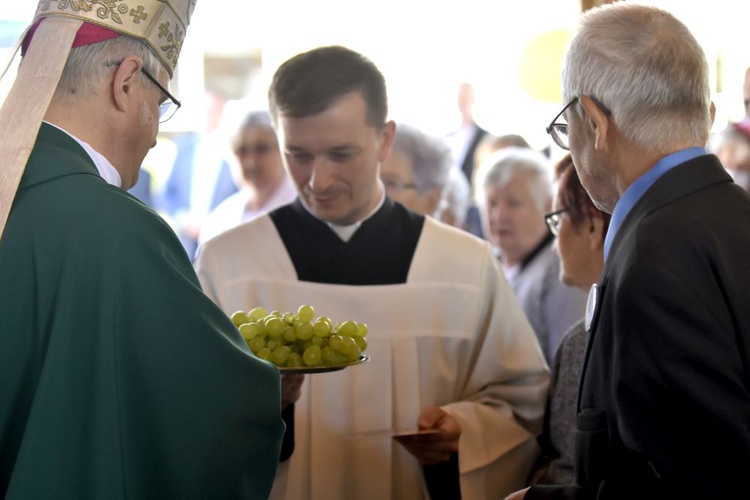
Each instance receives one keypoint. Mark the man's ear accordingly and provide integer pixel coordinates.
(598, 120)
(123, 81)
(386, 140)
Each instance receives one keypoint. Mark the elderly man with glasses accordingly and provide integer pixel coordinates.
(120, 378)
(664, 399)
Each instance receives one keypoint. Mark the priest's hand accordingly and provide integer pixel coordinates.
(431, 449)
(518, 495)
(291, 389)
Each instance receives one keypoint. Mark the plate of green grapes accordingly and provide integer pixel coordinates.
(301, 342)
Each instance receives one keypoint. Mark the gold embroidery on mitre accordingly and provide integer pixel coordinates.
(162, 24)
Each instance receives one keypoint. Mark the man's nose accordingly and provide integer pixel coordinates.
(321, 175)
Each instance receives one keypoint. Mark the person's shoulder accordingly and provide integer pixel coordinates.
(123, 225)
(452, 242)
(241, 236)
(397, 211)
(545, 262)
(129, 215)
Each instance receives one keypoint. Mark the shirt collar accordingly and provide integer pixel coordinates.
(636, 190)
(107, 171)
(346, 232)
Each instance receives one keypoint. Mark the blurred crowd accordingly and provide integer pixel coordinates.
(539, 327)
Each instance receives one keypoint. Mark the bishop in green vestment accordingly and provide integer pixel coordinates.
(120, 379)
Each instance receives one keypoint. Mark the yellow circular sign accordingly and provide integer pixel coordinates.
(541, 65)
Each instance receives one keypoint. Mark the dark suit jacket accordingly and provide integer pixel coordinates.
(467, 162)
(664, 405)
(472, 223)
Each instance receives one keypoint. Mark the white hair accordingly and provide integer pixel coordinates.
(510, 163)
(87, 66)
(429, 156)
(646, 67)
(456, 196)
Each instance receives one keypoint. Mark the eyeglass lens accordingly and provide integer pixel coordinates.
(560, 135)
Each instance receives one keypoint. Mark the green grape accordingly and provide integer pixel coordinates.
(295, 340)
(312, 356)
(361, 330)
(348, 328)
(338, 359)
(273, 343)
(329, 355)
(322, 327)
(305, 313)
(239, 318)
(249, 330)
(352, 352)
(275, 326)
(257, 313)
(361, 343)
(256, 344)
(295, 360)
(289, 335)
(280, 355)
(264, 353)
(336, 341)
(347, 343)
(303, 329)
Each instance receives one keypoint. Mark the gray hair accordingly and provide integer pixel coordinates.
(510, 163)
(89, 65)
(254, 119)
(430, 156)
(646, 67)
(456, 196)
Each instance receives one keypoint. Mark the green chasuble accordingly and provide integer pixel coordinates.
(118, 377)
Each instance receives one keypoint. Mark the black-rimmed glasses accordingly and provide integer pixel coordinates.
(553, 220)
(559, 131)
(168, 108)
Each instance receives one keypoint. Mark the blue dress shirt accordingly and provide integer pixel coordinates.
(631, 195)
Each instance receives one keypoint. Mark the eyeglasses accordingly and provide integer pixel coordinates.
(553, 220)
(259, 149)
(398, 185)
(168, 108)
(559, 131)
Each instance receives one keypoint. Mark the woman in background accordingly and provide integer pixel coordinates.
(513, 191)
(580, 228)
(259, 171)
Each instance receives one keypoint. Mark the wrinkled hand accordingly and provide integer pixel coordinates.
(431, 449)
(518, 495)
(291, 389)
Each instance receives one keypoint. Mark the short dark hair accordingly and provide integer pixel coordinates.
(573, 195)
(311, 82)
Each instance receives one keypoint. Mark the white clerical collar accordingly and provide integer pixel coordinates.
(108, 172)
(346, 232)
